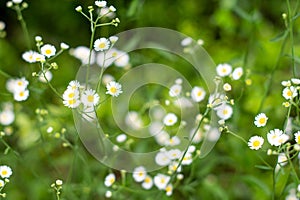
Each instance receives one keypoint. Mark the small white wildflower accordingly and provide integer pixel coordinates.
(21, 95)
(64, 46)
(38, 38)
(169, 189)
(17, 1)
(108, 194)
(2, 25)
(297, 137)
(147, 183)
(100, 4)
(187, 159)
(198, 94)
(261, 120)
(49, 129)
(162, 159)
(227, 87)
(282, 159)
(161, 181)
(174, 154)
(48, 50)
(170, 119)
(82, 53)
(224, 69)
(106, 78)
(175, 90)
(122, 59)
(200, 42)
(101, 44)
(173, 141)
(5, 171)
(2, 183)
(139, 174)
(113, 39)
(74, 85)
(273, 137)
(48, 74)
(109, 180)
(58, 182)
(255, 142)
(7, 117)
(114, 89)
(121, 138)
(295, 81)
(286, 83)
(78, 8)
(90, 98)
(112, 9)
(30, 56)
(224, 111)
(186, 41)
(237, 73)
(289, 92)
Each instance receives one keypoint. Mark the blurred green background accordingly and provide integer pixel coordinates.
(236, 32)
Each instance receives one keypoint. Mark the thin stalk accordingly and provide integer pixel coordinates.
(23, 25)
(6, 75)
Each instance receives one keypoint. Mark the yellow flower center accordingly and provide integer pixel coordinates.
(256, 143)
(168, 189)
(90, 98)
(113, 90)
(262, 120)
(289, 93)
(4, 173)
(72, 101)
(20, 83)
(224, 70)
(21, 94)
(48, 51)
(147, 180)
(71, 95)
(225, 112)
(102, 45)
(199, 93)
(298, 139)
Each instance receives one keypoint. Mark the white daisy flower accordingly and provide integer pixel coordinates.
(295, 81)
(173, 167)
(122, 59)
(7, 117)
(170, 119)
(106, 78)
(10, 85)
(162, 138)
(107, 59)
(71, 103)
(5, 171)
(109, 180)
(173, 141)
(133, 120)
(147, 183)
(198, 94)
(273, 137)
(71, 94)
(187, 159)
(283, 138)
(39, 58)
(101, 44)
(162, 158)
(237, 73)
(224, 111)
(100, 4)
(289, 92)
(139, 174)
(20, 84)
(286, 83)
(169, 189)
(255, 142)
(175, 90)
(82, 53)
(186, 41)
(227, 87)
(161, 181)
(191, 149)
(48, 75)
(2, 25)
(74, 85)
(261, 120)
(21, 95)
(113, 39)
(174, 154)
(30, 56)
(48, 50)
(90, 98)
(114, 89)
(282, 159)
(224, 69)
(297, 137)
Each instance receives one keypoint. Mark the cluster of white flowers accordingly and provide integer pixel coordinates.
(290, 91)
(5, 173)
(224, 70)
(18, 87)
(104, 55)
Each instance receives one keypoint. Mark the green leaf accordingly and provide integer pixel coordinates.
(264, 167)
(244, 15)
(281, 180)
(280, 36)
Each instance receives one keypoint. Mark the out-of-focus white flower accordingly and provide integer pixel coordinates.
(7, 117)
(162, 158)
(198, 94)
(100, 4)
(186, 41)
(175, 90)
(82, 53)
(139, 174)
(224, 69)
(170, 119)
(147, 183)
(48, 75)
(121, 138)
(224, 111)
(109, 180)
(237, 73)
(161, 181)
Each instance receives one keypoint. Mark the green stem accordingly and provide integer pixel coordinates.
(291, 34)
(237, 136)
(9, 147)
(23, 25)
(291, 164)
(48, 82)
(4, 74)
